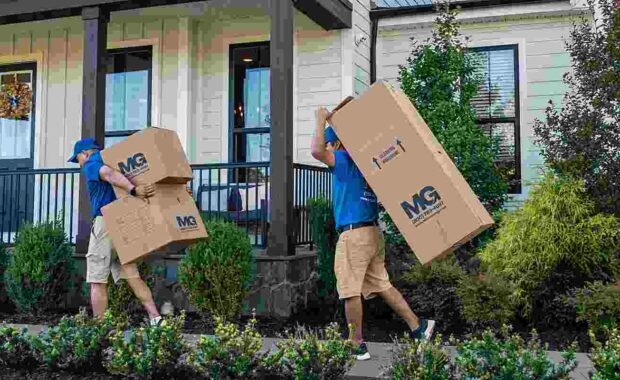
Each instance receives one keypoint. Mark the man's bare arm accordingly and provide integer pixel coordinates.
(115, 178)
(318, 140)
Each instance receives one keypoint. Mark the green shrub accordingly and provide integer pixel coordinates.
(440, 78)
(606, 357)
(324, 235)
(508, 356)
(121, 301)
(557, 224)
(305, 355)
(16, 348)
(39, 272)
(446, 271)
(216, 271)
(599, 305)
(4, 262)
(414, 360)
(147, 352)
(76, 344)
(231, 354)
(486, 301)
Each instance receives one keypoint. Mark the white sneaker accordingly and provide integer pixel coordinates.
(156, 321)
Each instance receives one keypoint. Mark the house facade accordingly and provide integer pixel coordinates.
(239, 81)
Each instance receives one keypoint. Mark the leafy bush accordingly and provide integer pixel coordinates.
(556, 225)
(606, 357)
(599, 305)
(75, 344)
(431, 292)
(486, 301)
(412, 359)
(16, 348)
(509, 357)
(4, 262)
(440, 78)
(39, 272)
(582, 138)
(147, 352)
(231, 354)
(303, 356)
(324, 235)
(216, 271)
(122, 302)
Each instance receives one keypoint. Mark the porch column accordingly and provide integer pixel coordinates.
(93, 102)
(281, 232)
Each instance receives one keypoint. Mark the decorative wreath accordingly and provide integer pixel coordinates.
(15, 100)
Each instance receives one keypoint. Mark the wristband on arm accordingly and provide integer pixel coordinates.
(133, 191)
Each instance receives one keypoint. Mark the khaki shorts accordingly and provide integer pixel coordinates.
(359, 263)
(101, 258)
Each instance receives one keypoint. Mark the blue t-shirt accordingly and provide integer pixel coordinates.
(354, 201)
(100, 192)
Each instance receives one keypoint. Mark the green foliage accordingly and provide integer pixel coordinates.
(39, 272)
(446, 271)
(147, 352)
(606, 357)
(231, 354)
(16, 348)
(324, 235)
(486, 301)
(122, 301)
(75, 344)
(440, 78)
(310, 356)
(4, 262)
(506, 356)
(581, 138)
(216, 271)
(557, 224)
(599, 305)
(414, 360)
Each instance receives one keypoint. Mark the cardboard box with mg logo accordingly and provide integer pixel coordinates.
(168, 221)
(154, 155)
(420, 187)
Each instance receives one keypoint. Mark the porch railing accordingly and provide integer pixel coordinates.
(238, 192)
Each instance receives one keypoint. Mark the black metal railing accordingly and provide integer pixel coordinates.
(237, 192)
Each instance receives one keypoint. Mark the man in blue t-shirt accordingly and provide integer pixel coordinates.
(101, 260)
(359, 262)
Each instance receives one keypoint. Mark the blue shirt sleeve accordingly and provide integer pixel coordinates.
(342, 164)
(91, 170)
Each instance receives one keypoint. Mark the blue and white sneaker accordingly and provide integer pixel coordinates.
(424, 332)
(362, 352)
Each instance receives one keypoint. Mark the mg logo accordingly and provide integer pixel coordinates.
(134, 165)
(186, 222)
(420, 202)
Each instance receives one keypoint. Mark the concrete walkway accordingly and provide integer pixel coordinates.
(380, 356)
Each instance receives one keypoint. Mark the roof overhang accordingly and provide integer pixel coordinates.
(329, 14)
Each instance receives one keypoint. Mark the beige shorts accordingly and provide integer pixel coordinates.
(359, 263)
(101, 258)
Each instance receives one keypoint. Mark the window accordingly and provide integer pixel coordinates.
(16, 134)
(128, 93)
(497, 106)
(250, 112)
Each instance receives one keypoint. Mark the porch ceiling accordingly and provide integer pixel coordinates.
(329, 14)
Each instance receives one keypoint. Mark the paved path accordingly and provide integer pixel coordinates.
(380, 356)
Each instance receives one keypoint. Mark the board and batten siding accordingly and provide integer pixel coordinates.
(57, 47)
(543, 60)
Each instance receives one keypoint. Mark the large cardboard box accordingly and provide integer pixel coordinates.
(168, 221)
(154, 155)
(416, 181)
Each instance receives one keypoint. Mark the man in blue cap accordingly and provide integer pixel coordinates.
(359, 262)
(100, 259)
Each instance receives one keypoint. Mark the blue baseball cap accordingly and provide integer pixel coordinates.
(330, 135)
(82, 145)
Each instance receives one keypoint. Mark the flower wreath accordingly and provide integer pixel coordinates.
(15, 100)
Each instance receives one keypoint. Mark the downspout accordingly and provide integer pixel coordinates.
(374, 22)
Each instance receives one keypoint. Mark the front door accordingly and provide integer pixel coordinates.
(16, 147)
